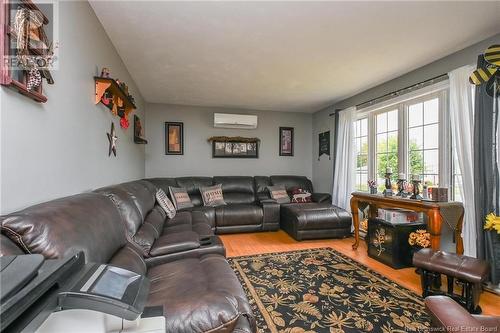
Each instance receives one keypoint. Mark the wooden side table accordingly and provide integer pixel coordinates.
(451, 213)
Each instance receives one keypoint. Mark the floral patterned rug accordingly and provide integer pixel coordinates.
(322, 290)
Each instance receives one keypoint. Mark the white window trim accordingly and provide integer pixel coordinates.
(401, 103)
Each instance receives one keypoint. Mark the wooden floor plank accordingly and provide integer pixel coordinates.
(279, 241)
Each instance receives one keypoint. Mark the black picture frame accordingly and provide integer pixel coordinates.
(174, 136)
(286, 141)
(225, 149)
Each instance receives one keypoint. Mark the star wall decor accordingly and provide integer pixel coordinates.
(112, 140)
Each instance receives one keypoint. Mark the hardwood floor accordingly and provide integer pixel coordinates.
(279, 241)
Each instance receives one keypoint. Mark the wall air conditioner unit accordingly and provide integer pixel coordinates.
(241, 121)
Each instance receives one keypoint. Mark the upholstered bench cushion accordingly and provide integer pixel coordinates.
(200, 295)
(462, 267)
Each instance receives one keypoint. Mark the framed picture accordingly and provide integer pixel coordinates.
(224, 149)
(174, 138)
(286, 141)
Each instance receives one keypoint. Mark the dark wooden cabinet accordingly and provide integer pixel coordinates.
(388, 242)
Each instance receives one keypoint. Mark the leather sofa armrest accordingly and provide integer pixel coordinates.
(175, 242)
(449, 316)
(271, 214)
(321, 197)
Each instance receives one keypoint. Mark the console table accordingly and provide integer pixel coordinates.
(451, 213)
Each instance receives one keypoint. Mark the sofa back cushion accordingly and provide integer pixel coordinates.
(163, 183)
(125, 204)
(237, 189)
(261, 184)
(85, 222)
(192, 186)
(143, 194)
(292, 182)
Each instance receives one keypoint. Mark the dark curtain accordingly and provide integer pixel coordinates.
(486, 171)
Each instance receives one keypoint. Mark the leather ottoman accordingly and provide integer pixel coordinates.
(315, 220)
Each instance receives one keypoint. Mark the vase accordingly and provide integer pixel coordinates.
(492, 239)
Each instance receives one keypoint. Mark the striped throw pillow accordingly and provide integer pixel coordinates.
(165, 203)
(279, 194)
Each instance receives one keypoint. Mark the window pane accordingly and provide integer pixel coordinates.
(392, 141)
(415, 138)
(364, 145)
(416, 162)
(415, 116)
(431, 180)
(392, 120)
(431, 159)
(431, 136)
(431, 111)
(382, 123)
(364, 126)
(381, 143)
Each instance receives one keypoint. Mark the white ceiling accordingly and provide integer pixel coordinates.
(283, 56)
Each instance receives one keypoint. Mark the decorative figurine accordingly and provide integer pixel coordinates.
(105, 72)
(401, 185)
(372, 185)
(415, 179)
(388, 185)
(112, 138)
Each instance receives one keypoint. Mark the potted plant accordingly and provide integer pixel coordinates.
(492, 236)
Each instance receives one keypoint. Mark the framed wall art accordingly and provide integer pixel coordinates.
(174, 138)
(286, 141)
(234, 147)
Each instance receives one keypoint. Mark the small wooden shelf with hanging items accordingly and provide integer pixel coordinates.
(115, 96)
(27, 52)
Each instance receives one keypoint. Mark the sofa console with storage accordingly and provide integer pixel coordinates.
(124, 226)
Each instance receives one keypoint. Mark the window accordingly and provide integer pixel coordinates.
(386, 145)
(423, 140)
(361, 137)
(408, 135)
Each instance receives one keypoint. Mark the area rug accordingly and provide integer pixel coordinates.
(322, 290)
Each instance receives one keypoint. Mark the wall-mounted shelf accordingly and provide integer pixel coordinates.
(119, 98)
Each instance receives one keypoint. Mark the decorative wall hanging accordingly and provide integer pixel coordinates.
(490, 74)
(174, 138)
(26, 50)
(138, 132)
(286, 141)
(234, 147)
(115, 96)
(324, 144)
(112, 138)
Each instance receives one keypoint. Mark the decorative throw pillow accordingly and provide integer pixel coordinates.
(180, 197)
(279, 194)
(300, 195)
(212, 196)
(165, 203)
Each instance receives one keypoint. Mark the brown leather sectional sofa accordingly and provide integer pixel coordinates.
(122, 225)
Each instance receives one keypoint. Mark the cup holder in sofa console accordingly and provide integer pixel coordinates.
(68, 295)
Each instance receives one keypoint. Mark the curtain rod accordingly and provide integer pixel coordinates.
(398, 92)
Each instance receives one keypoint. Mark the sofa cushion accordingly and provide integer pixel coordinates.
(156, 218)
(291, 182)
(237, 189)
(180, 198)
(212, 195)
(238, 214)
(209, 213)
(145, 238)
(125, 204)
(143, 194)
(192, 185)
(200, 295)
(128, 257)
(85, 222)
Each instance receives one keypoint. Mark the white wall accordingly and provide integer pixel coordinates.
(198, 127)
(323, 170)
(60, 147)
